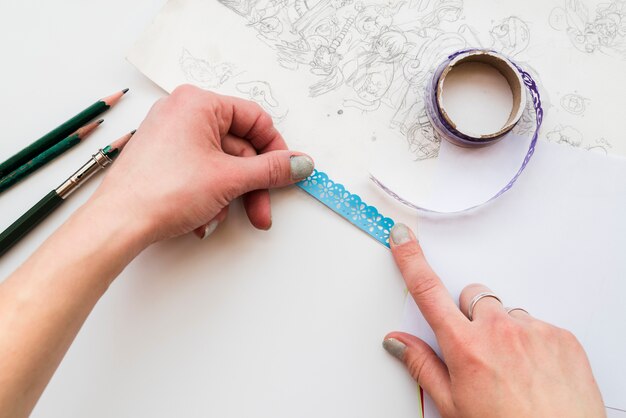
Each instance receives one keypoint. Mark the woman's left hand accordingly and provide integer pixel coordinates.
(193, 154)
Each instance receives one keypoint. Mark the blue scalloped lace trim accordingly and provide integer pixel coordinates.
(348, 205)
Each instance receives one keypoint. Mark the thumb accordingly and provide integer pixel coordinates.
(424, 366)
(274, 169)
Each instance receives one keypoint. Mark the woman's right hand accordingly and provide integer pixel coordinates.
(499, 364)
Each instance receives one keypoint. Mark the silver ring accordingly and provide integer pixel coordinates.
(509, 310)
(470, 311)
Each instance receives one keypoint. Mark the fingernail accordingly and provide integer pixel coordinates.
(210, 228)
(395, 347)
(301, 167)
(400, 233)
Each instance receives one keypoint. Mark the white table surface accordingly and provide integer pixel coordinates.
(171, 337)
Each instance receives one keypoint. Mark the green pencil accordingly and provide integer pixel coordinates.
(48, 155)
(59, 133)
(53, 200)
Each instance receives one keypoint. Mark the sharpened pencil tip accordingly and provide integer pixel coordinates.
(125, 90)
(83, 131)
(133, 131)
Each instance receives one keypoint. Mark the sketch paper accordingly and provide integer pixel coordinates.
(375, 58)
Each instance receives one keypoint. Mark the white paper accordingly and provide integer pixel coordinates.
(554, 245)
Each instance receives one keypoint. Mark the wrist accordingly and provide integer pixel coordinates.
(116, 225)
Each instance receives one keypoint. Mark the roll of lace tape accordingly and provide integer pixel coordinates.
(519, 81)
(444, 123)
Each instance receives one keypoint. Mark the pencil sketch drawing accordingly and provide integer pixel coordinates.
(261, 93)
(510, 36)
(379, 57)
(209, 75)
(603, 31)
(565, 134)
(527, 122)
(203, 73)
(600, 145)
(423, 140)
(568, 135)
(574, 103)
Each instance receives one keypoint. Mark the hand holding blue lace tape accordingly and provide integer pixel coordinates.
(367, 218)
(348, 205)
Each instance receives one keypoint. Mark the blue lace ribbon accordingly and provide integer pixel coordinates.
(348, 205)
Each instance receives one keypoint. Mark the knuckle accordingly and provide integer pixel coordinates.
(501, 320)
(472, 287)
(230, 191)
(263, 123)
(159, 105)
(425, 284)
(553, 335)
(494, 322)
(418, 367)
(274, 171)
(257, 108)
(468, 292)
(457, 338)
(407, 256)
(185, 90)
(242, 150)
(568, 338)
(542, 329)
(508, 330)
(472, 356)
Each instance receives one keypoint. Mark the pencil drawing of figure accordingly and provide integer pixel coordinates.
(574, 103)
(423, 140)
(261, 93)
(318, 44)
(261, 15)
(241, 7)
(372, 20)
(325, 63)
(310, 13)
(527, 122)
(434, 12)
(407, 96)
(601, 145)
(565, 134)
(267, 8)
(606, 32)
(511, 36)
(203, 73)
(372, 72)
(269, 28)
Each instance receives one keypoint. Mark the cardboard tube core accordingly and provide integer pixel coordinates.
(508, 71)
